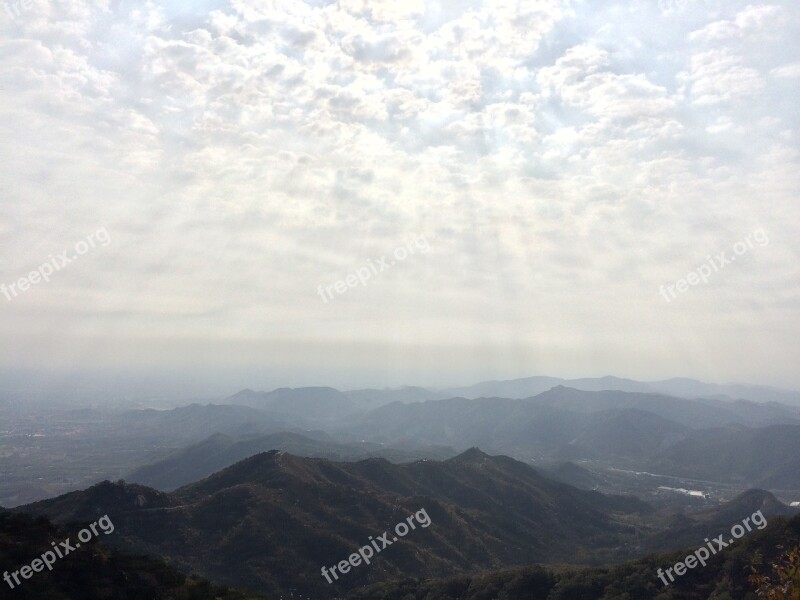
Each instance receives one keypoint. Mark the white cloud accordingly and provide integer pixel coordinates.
(791, 71)
(752, 21)
(718, 76)
(562, 158)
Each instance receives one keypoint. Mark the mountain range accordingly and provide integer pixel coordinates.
(270, 522)
(199, 460)
(678, 387)
(736, 442)
(325, 403)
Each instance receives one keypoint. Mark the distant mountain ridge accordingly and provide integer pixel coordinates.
(309, 403)
(678, 387)
(763, 457)
(219, 451)
(558, 417)
(632, 429)
(195, 421)
(625, 432)
(330, 400)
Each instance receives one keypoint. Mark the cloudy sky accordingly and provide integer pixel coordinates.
(519, 179)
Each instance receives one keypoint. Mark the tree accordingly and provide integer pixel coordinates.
(784, 583)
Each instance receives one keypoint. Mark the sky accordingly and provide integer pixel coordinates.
(211, 195)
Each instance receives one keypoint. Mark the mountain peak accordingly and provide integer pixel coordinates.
(244, 394)
(474, 454)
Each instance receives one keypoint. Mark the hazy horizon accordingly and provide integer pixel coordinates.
(203, 387)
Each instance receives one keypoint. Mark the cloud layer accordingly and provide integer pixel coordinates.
(563, 160)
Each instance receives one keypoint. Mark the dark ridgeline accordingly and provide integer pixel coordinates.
(270, 522)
